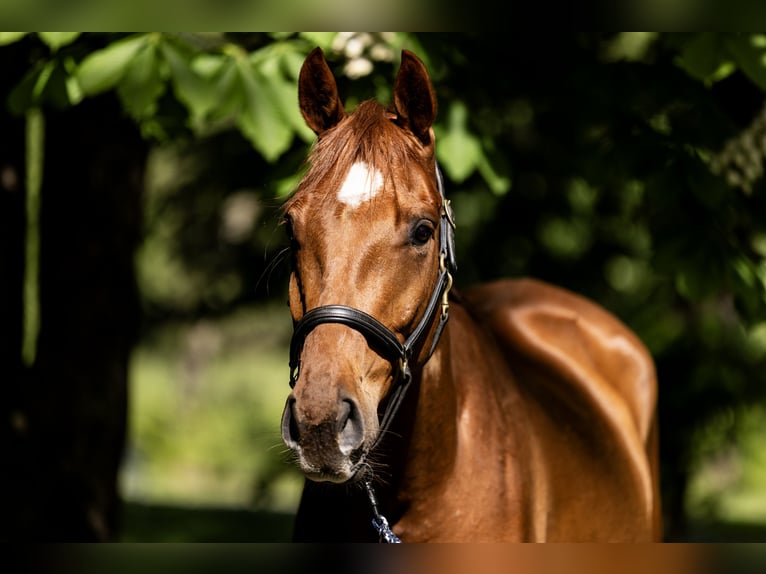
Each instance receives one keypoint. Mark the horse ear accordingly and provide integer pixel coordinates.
(414, 97)
(318, 93)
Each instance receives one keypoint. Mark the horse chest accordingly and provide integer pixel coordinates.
(478, 495)
(470, 508)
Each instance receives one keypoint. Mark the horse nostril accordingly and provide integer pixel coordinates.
(290, 433)
(350, 428)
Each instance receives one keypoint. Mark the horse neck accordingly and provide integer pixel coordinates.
(428, 415)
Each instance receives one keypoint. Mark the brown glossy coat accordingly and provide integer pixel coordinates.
(534, 420)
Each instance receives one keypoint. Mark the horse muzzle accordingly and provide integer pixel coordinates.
(328, 447)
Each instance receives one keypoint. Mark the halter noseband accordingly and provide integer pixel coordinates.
(379, 337)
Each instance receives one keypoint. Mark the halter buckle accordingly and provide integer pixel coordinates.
(445, 295)
(404, 366)
(448, 213)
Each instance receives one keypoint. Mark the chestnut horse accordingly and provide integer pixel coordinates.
(529, 416)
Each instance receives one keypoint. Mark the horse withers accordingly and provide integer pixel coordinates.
(510, 411)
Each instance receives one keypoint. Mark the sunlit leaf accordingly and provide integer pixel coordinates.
(458, 150)
(73, 89)
(748, 57)
(701, 56)
(45, 83)
(102, 69)
(228, 90)
(498, 182)
(11, 37)
(56, 40)
(322, 39)
(56, 91)
(459, 154)
(209, 65)
(21, 97)
(195, 91)
(283, 93)
(260, 120)
(292, 61)
(142, 83)
(42, 80)
(287, 185)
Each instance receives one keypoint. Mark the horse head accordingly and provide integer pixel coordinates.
(367, 228)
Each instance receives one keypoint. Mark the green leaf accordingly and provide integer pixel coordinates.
(228, 91)
(260, 119)
(701, 56)
(11, 37)
(209, 65)
(56, 40)
(283, 93)
(459, 154)
(292, 62)
(42, 81)
(55, 91)
(103, 69)
(194, 91)
(74, 92)
(322, 39)
(142, 83)
(287, 185)
(459, 150)
(45, 83)
(749, 57)
(22, 96)
(499, 184)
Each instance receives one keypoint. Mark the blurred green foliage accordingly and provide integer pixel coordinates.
(207, 397)
(627, 167)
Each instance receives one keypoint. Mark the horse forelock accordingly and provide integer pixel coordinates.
(368, 136)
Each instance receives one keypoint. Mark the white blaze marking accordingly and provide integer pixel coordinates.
(362, 183)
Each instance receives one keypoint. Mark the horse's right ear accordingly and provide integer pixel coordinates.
(318, 93)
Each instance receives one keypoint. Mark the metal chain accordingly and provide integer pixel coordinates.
(379, 522)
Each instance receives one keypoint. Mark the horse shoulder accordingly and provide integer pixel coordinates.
(590, 389)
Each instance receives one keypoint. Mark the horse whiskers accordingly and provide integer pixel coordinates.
(289, 455)
(372, 469)
(286, 453)
(278, 258)
(389, 433)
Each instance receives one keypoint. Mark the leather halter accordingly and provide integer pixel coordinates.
(379, 337)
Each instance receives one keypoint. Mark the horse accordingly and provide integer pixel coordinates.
(508, 411)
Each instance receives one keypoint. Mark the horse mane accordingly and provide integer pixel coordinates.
(368, 135)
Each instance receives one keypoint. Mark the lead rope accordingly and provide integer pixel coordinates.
(380, 523)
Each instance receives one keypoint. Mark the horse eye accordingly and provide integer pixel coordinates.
(422, 233)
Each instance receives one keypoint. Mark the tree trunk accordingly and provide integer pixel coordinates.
(68, 412)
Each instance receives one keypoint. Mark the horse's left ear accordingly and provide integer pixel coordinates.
(318, 93)
(414, 97)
